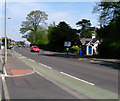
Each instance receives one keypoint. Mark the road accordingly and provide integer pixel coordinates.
(78, 77)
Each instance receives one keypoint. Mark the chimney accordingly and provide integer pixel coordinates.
(93, 35)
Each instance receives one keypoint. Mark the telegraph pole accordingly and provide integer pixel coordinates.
(5, 48)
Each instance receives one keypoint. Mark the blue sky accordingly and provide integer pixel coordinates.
(70, 12)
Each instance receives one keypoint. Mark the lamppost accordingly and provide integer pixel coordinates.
(5, 58)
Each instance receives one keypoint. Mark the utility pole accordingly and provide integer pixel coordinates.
(5, 48)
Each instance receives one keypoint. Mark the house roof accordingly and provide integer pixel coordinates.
(94, 40)
(84, 41)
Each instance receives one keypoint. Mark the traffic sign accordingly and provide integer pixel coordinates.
(67, 43)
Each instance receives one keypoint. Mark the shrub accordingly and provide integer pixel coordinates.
(75, 49)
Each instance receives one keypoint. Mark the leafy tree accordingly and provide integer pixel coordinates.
(107, 11)
(50, 29)
(85, 30)
(84, 23)
(110, 31)
(34, 19)
(61, 33)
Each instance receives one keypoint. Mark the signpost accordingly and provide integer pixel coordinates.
(67, 44)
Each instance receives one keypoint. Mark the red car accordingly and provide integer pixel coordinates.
(34, 49)
(9, 47)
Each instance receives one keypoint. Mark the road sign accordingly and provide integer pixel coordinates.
(67, 43)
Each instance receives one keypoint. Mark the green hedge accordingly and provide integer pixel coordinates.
(109, 49)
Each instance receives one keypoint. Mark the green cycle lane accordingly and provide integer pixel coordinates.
(88, 90)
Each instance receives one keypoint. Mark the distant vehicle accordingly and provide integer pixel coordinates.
(19, 45)
(24, 45)
(34, 49)
(9, 47)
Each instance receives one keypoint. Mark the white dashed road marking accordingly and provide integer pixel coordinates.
(77, 78)
(32, 60)
(45, 66)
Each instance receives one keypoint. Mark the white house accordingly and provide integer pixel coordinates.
(92, 45)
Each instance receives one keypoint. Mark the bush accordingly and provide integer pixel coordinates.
(75, 49)
(109, 49)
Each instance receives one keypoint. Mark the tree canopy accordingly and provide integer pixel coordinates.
(85, 30)
(61, 33)
(32, 23)
(107, 11)
(110, 31)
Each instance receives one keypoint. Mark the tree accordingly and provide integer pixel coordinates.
(107, 11)
(34, 19)
(61, 33)
(110, 31)
(85, 31)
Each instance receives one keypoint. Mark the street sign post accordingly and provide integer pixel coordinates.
(67, 44)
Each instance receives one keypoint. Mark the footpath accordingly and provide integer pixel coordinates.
(13, 67)
(1, 64)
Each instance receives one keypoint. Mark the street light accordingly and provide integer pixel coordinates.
(5, 58)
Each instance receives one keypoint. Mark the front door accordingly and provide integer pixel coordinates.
(89, 50)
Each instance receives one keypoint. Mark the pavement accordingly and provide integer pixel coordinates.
(16, 67)
(0, 75)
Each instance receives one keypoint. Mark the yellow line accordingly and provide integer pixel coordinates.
(94, 61)
(80, 59)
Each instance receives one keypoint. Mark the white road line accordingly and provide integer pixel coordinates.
(19, 54)
(12, 55)
(6, 94)
(4, 70)
(31, 60)
(45, 66)
(77, 78)
(39, 73)
(22, 57)
(1, 60)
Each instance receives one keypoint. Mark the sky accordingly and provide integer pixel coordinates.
(69, 11)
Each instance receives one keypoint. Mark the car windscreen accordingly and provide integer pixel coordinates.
(34, 47)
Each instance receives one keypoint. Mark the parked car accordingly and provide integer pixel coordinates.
(34, 49)
(9, 47)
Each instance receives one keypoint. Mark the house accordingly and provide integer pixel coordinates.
(84, 41)
(90, 45)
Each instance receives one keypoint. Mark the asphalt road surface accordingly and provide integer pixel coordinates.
(94, 80)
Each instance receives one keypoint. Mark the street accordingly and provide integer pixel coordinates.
(57, 76)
